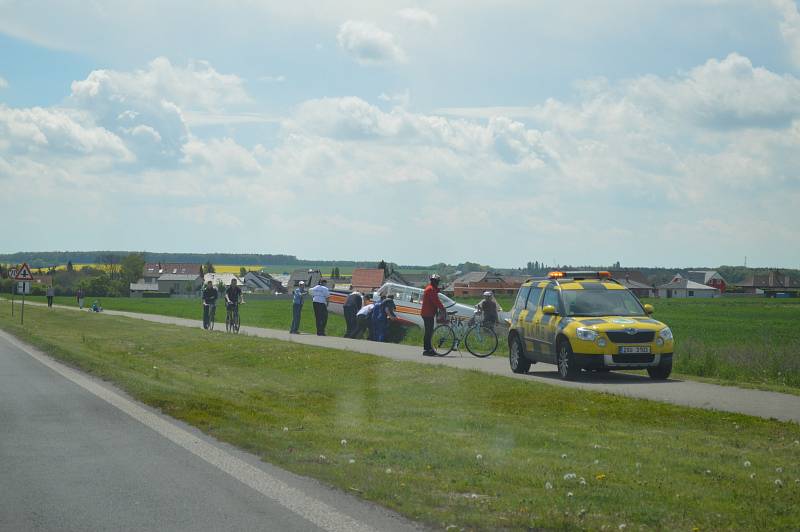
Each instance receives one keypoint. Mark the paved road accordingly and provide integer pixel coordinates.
(76, 454)
(758, 403)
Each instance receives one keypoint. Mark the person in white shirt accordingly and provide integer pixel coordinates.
(319, 296)
(362, 320)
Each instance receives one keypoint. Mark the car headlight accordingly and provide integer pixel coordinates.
(586, 334)
(665, 334)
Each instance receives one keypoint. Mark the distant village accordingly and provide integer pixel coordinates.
(132, 276)
(697, 284)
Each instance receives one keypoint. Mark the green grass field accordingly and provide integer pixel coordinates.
(749, 341)
(445, 446)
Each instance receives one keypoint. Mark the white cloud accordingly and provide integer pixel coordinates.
(272, 79)
(368, 44)
(790, 27)
(419, 17)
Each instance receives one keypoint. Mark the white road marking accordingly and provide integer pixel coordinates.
(315, 511)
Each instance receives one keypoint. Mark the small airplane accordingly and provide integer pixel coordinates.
(408, 300)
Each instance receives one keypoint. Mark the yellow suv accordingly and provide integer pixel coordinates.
(589, 321)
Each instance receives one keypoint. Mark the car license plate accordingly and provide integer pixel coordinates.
(634, 349)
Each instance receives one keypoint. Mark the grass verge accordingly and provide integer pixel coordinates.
(444, 446)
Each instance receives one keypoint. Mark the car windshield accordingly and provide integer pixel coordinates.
(601, 303)
(446, 301)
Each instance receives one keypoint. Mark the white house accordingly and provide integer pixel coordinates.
(682, 287)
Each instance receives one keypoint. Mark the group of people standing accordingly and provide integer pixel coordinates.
(360, 315)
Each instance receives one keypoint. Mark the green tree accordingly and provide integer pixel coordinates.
(132, 267)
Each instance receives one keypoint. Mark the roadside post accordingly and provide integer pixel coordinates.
(24, 278)
(12, 273)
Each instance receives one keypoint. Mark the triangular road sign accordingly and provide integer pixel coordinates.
(24, 273)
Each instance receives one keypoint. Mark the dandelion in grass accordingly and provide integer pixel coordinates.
(797, 442)
(388, 470)
(596, 462)
(779, 482)
(638, 465)
(322, 458)
(344, 442)
(708, 471)
(570, 476)
(285, 429)
(548, 486)
(600, 476)
(582, 481)
(779, 470)
(570, 494)
(752, 476)
(747, 463)
(622, 526)
(351, 461)
(563, 456)
(479, 457)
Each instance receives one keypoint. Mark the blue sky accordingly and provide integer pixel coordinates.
(650, 133)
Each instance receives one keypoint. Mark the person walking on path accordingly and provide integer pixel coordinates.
(80, 295)
(50, 294)
(351, 307)
(363, 321)
(298, 296)
(210, 295)
(431, 305)
(320, 295)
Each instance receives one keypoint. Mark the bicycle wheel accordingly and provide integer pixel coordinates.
(481, 341)
(443, 340)
(228, 321)
(211, 318)
(236, 321)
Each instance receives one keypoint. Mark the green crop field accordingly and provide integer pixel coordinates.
(750, 341)
(446, 447)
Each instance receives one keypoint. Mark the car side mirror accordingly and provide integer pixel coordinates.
(648, 308)
(549, 310)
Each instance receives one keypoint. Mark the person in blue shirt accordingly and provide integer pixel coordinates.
(297, 306)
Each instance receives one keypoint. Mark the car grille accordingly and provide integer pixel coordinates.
(639, 337)
(633, 358)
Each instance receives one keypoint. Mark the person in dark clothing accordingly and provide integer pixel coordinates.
(298, 296)
(489, 309)
(382, 313)
(351, 306)
(50, 294)
(431, 305)
(210, 295)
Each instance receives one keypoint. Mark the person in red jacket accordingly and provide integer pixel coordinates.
(430, 306)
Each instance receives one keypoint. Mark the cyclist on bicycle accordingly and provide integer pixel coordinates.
(210, 295)
(233, 295)
(431, 305)
(489, 308)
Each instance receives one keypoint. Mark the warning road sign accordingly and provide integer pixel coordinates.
(24, 273)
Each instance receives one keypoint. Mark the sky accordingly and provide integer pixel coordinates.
(659, 133)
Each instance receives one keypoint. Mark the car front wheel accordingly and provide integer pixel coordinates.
(567, 368)
(662, 371)
(519, 364)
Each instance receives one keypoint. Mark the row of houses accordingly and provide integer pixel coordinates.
(186, 279)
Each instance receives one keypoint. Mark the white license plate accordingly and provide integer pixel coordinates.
(634, 349)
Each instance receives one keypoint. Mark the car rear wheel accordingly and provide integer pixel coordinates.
(662, 371)
(519, 364)
(567, 368)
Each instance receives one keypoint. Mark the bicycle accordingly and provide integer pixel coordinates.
(481, 340)
(212, 311)
(232, 318)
